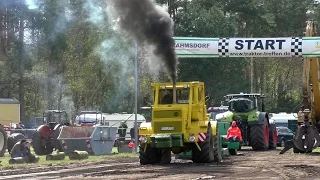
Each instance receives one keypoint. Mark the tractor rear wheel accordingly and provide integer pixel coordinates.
(13, 139)
(165, 156)
(150, 156)
(217, 150)
(260, 136)
(296, 150)
(205, 155)
(37, 144)
(273, 137)
(3, 141)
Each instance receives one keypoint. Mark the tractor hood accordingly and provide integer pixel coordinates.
(224, 116)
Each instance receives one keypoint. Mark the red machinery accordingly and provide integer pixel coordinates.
(44, 139)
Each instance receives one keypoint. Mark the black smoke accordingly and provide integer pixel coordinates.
(148, 22)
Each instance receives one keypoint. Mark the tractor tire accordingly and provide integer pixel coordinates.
(232, 152)
(49, 149)
(150, 156)
(3, 141)
(282, 143)
(217, 150)
(260, 136)
(205, 155)
(273, 137)
(296, 150)
(56, 143)
(37, 144)
(13, 139)
(165, 156)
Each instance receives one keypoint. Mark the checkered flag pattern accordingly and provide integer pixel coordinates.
(223, 47)
(296, 47)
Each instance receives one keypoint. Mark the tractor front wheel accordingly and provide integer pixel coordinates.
(3, 141)
(148, 155)
(205, 155)
(39, 149)
(260, 136)
(37, 144)
(165, 156)
(232, 151)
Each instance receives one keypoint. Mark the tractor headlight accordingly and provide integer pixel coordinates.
(192, 138)
(185, 86)
(163, 87)
(143, 139)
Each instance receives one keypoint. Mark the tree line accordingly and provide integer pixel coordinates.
(68, 54)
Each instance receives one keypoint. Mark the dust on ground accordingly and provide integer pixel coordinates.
(247, 165)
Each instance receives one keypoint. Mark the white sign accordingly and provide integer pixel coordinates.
(201, 47)
(167, 128)
(247, 47)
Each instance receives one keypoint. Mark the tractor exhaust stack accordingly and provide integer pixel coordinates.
(174, 93)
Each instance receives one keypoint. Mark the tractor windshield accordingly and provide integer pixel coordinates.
(55, 117)
(242, 105)
(166, 97)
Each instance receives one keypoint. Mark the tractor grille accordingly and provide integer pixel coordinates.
(167, 127)
(244, 118)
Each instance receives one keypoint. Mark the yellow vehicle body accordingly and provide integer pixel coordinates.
(307, 135)
(179, 124)
(9, 111)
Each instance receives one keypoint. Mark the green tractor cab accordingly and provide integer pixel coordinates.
(248, 111)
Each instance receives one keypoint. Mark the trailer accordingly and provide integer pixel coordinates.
(9, 111)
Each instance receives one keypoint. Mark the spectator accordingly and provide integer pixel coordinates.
(22, 149)
(234, 133)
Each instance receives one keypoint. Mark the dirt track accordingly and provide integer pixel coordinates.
(250, 165)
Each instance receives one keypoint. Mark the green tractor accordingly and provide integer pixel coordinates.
(253, 121)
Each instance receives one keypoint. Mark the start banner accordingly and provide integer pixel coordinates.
(247, 47)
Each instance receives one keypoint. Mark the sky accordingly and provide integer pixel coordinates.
(31, 4)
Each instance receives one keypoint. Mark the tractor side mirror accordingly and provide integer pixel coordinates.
(146, 101)
(207, 98)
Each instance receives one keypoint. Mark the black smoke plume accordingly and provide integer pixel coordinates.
(148, 22)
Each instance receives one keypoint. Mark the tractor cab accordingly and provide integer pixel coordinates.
(244, 103)
(54, 117)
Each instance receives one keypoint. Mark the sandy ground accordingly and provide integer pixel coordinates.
(247, 165)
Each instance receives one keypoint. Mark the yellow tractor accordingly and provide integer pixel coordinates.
(179, 124)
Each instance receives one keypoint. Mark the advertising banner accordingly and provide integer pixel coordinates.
(247, 47)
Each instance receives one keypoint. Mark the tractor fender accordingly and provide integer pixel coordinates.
(45, 131)
(56, 126)
(261, 117)
(38, 129)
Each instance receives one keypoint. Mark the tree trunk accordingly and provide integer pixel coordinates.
(21, 69)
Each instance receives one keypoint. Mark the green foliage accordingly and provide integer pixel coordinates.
(72, 57)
